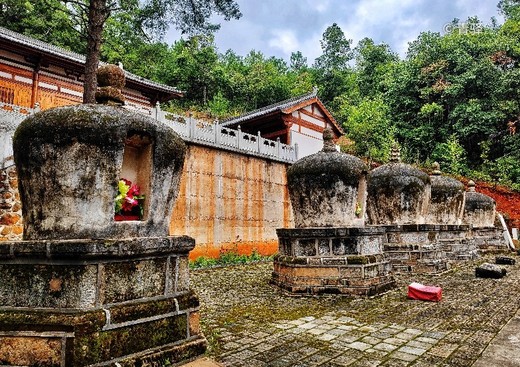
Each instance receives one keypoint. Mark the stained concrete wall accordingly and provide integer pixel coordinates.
(230, 201)
(227, 201)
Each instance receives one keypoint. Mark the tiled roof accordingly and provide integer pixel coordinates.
(56, 51)
(271, 108)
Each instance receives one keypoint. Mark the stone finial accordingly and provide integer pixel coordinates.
(111, 80)
(436, 168)
(471, 186)
(395, 154)
(328, 140)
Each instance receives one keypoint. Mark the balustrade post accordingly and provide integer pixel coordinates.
(36, 107)
(295, 151)
(239, 136)
(217, 131)
(191, 127)
(157, 111)
(259, 142)
(278, 147)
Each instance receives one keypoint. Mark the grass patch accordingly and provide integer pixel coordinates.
(228, 257)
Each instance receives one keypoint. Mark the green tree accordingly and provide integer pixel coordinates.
(192, 67)
(298, 62)
(332, 69)
(46, 20)
(461, 83)
(369, 125)
(373, 64)
(451, 156)
(148, 18)
(336, 50)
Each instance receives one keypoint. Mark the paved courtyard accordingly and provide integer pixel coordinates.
(249, 323)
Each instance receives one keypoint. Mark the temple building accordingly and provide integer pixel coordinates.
(34, 72)
(299, 120)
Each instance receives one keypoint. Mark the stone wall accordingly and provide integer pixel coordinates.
(11, 227)
(231, 202)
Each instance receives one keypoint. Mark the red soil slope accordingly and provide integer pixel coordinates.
(508, 202)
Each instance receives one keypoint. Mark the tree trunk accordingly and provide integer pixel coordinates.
(97, 15)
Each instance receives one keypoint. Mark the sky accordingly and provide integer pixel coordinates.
(280, 27)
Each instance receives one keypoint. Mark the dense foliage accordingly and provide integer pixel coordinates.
(454, 98)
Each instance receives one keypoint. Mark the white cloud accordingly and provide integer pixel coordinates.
(390, 21)
(284, 40)
(320, 6)
(278, 28)
(310, 47)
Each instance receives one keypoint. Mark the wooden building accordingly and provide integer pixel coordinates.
(33, 71)
(299, 120)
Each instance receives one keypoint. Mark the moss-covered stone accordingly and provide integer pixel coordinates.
(324, 189)
(397, 193)
(361, 260)
(447, 201)
(69, 162)
(109, 344)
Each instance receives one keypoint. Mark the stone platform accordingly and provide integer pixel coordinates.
(489, 239)
(346, 260)
(97, 302)
(427, 248)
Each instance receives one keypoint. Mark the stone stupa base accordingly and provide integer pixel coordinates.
(71, 303)
(489, 240)
(428, 248)
(345, 261)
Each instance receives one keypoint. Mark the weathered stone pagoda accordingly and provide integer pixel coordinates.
(330, 250)
(414, 223)
(480, 212)
(83, 289)
(422, 216)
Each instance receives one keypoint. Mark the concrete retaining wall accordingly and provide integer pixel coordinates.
(231, 202)
(228, 201)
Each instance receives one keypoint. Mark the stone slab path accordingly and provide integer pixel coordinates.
(249, 323)
(504, 349)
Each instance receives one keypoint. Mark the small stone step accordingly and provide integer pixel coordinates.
(488, 270)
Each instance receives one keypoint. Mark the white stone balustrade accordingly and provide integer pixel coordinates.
(10, 118)
(197, 131)
(190, 129)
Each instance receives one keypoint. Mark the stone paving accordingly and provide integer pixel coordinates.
(249, 323)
